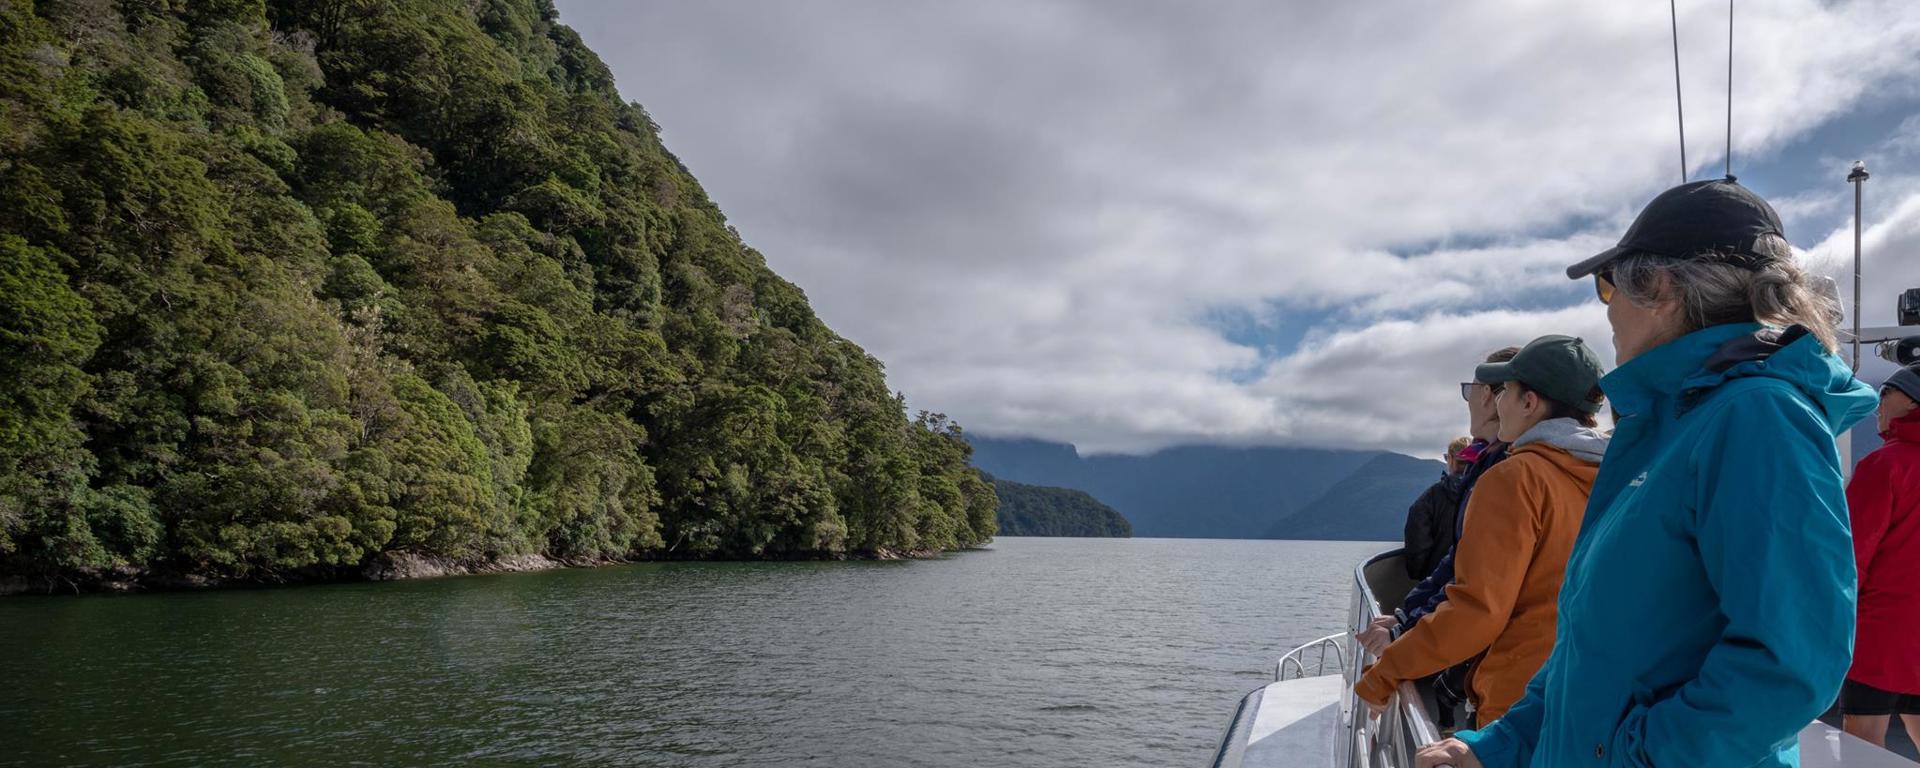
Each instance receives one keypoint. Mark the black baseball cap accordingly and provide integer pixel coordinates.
(1561, 367)
(1907, 380)
(1716, 219)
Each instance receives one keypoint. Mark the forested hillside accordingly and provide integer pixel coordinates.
(1039, 510)
(292, 285)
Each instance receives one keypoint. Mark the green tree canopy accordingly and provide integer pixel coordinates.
(294, 284)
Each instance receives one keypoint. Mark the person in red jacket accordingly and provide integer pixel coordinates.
(1884, 501)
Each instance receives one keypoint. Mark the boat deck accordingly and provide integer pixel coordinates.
(1287, 720)
(1309, 719)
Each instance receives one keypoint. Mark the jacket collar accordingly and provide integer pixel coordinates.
(1683, 371)
(1905, 429)
(1662, 372)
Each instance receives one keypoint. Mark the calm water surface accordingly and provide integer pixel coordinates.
(1036, 652)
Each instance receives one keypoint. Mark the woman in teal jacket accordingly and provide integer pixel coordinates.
(1708, 606)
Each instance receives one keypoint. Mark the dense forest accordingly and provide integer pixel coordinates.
(1038, 510)
(300, 284)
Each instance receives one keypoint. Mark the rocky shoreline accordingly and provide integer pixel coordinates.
(391, 566)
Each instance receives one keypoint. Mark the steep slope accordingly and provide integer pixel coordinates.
(1037, 510)
(291, 285)
(1368, 505)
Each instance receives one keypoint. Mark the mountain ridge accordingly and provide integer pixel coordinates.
(1368, 505)
(1217, 492)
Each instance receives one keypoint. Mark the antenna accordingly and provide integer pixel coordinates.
(1679, 107)
(1729, 89)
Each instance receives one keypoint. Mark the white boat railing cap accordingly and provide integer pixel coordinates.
(1419, 726)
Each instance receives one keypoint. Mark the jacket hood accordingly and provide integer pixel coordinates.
(1583, 443)
(1690, 367)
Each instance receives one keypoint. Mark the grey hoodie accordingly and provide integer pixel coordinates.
(1583, 443)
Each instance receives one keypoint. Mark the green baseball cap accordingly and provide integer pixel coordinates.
(1560, 367)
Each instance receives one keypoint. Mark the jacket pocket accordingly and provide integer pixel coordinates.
(1627, 745)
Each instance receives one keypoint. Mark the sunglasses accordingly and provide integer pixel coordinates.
(1603, 285)
(1466, 389)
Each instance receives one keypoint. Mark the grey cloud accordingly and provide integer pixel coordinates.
(1028, 209)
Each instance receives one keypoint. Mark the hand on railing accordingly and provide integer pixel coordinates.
(1376, 636)
(1452, 753)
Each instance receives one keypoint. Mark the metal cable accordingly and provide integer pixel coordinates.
(1679, 106)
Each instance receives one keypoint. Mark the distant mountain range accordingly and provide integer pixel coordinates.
(1039, 510)
(1229, 493)
(1368, 505)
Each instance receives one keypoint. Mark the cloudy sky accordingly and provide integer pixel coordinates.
(1127, 225)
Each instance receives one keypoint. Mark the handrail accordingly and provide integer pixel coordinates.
(1296, 657)
(1394, 737)
(1424, 731)
(1420, 728)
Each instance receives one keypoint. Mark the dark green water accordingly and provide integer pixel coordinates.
(1037, 652)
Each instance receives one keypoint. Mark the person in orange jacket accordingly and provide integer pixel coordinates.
(1520, 527)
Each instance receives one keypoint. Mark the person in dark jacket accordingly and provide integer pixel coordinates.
(1884, 502)
(1487, 451)
(1430, 531)
(1455, 450)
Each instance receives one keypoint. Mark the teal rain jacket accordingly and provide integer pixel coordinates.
(1707, 613)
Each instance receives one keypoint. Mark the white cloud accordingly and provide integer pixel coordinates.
(1395, 380)
(1890, 241)
(1030, 210)
(1890, 256)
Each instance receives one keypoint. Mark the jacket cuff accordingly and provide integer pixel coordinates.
(1374, 687)
(1493, 746)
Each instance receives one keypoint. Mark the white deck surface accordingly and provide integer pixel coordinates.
(1298, 723)
(1824, 746)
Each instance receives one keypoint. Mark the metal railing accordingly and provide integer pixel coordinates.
(1296, 659)
(1404, 728)
(1390, 740)
(1387, 741)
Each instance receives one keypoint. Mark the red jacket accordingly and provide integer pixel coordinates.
(1884, 501)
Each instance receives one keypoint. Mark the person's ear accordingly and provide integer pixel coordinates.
(1666, 297)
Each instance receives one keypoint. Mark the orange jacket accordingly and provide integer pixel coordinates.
(1520, 527)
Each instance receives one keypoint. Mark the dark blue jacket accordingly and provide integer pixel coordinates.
(1430, 593)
